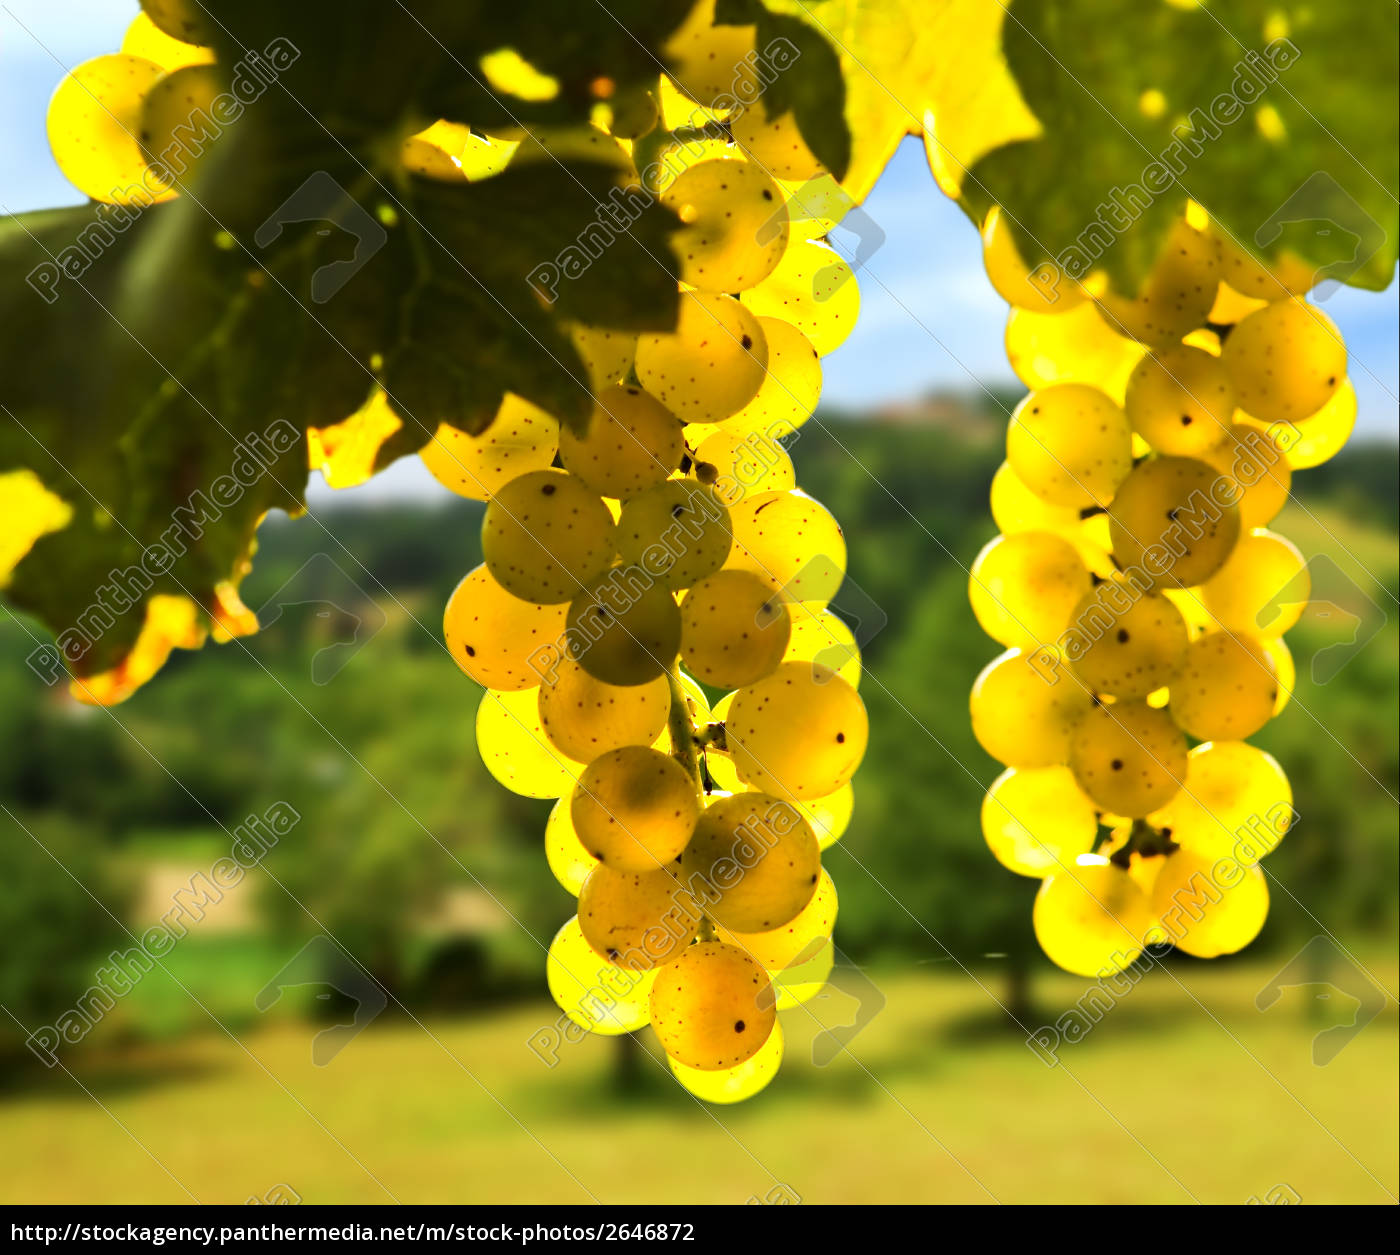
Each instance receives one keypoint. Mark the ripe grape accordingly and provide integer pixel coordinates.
(744, 1080)
(829, 816)
(1181, 401)
(1015, 508)
(1176, 296)
(678, 531)
(1091, 918)
(753, 860)
(791, 541)
(1285, 671)
(735, 226)
(521, 438)
(1042, 289)
(1210, 907)
(634, 808)
(713, 65)
(1280, 278)
(145, 39)
(1070, 444)
(593, 993)
(1174, 521)
(1024, 588)
(791, 943)
(496, 638)
(632, 443)
(1073, 347)
(818, 636)
(798, 733)
(791, 387)
(1226, 690)
(185, 20)
(1236, 803)
(1128, 757)
(567, 858)
(1037, 821)
(1313, 440)
(711, 365)
(514, 748)
(1258, 467)
(713, 1007)
(1123, 641)
(546, 536)
(734, 629)
(624, 628)
(775, 144)
(636, 920)
(1025, 706)
(814, 289)
(607, 353)
(1285, 360)
(1263, 589)
(583, 716)
(742, 464)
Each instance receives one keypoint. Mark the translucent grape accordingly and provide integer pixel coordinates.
(1236, 803)
(634, 808)
(521, 438)
(1181, 401)
(1259, 468)
(1174, 521)
(713, 1007)
(493, 636)
(791, 387)
(729, 1085)
(567, 858)
(593, 993)
(713, 65)
(818, 636)
(636, 920)
(791, 943)
(632, 443)
(607, 353)
(679, 532)
(583, 716)
(1285, 276)
(1073, 347)
(1125, 642)
(735, 225)
(1263, 589)
(1042, 289)
(1227, 688)
(1015, 508)
(798, 733)
(515, 750)
(185, 20)
(1070, 444)
(1285, 360)
(1091, 918)
(1177, 294)
(1037, 821)
(1024, 588)
(829, 816)
(1210, 907)
(1128, 757)
(734, 629)
(145, 39)
(546, 536)
(805, 979)
(756, 859)
(738, 464)
(711, 365)
(624, 628)
(1285, 671)
(1230, 306)
(1025, 706)
(815, 290)
(775, 144)
(1321, 436)
(792, 541)
(1199, 620)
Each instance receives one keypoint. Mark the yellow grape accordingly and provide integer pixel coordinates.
(593, 993)
(1285, 360)
(1037, 821)
(791, 386)
(1230, 306)
(583, 716)
(818, 636)
(734, 225)
(734, 629)
(738, 465)
(775, 144)
(636, 920)
(1174, 521)
(546, 536)
(186, 20)
(624, 628)
(145, 39)
(496, 638)
(632, 114)
(436, 152)
(563, 851)
(484, 158)
(713, 1007)
(1073, 347)
(1025, 706)
(521, 438)
(634, 808)
(816, 205)
(632, 443)
(800, 732)
(1043, 289)
(1227, 688)
(743, 1081)
(1319, 437)
(1070, 444)
(1091, 918)
(829, 816)
(1123, 641)
(790, 944)
(1285, 671)
(1129, 757)
(607, 353)
(805, 980)
(713, 65)
(1263, 589)
(813, 289)
(1181, 401)
(753, 860)
(1210, 907)
(94, 126)
(1236, 803)
(514, 748)
(792, 541)
(1247, 275)
(1198, 619)
(678, 113)
(711, 365)
(1015, 508)
(1176, 296)
(551, 145)
(1257, 464)
(679, 532)
(1024, 588)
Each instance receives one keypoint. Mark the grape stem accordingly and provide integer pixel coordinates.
(682, 731)
(1145, 841)
(711, 734)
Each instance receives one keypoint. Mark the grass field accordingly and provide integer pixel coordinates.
(1182, 1093)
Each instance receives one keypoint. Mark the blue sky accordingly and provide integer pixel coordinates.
(929, 319)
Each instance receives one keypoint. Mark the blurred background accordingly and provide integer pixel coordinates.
(1268, 1077)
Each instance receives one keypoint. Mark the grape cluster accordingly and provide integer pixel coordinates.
(1140, 594)
(651, 625)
